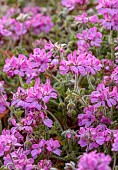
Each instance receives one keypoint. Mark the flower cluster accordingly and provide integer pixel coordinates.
(32, 120)
(109, 10)
(3, 98)
(93, 137)
(3, 104)
(7, 142)
(38, 62)
(51, 146)
(34, 97)
(3, 31)
(21, 161)
(92, 115)
(115, 143)
(16, 66)
(108, 66)
(80, 64)
(72, 3)
(94, 161)
(114, 75)
(88, 38)
(104, 97)
(45, 164)
(31, 19)
(84, 19)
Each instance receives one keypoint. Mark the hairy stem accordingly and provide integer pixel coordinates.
(111, 44)
(76, 83)
(21, 81)
(114, 163)
(55, 120)
(21, 38)
(12, 162)
(90, 84)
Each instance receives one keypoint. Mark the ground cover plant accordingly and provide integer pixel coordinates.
(59, 85)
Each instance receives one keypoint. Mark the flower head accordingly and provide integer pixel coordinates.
(93, 137)
(88, 38)
(104, 97)
(94, 161)
(21, 160)
(109, 10)
(72, 3)
(115, 143)
(34, 97)
(80, 64)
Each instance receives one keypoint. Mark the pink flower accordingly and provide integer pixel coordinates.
(94, 161)
(45, 164)
(69, 134)
(36, 22)
(32, 10)
(92, 116)
(40, 59)
(109, 10)
(12, 11)
(35, 97)
(116, 48)
(3, 104)
(94, 19)
(80, 64)
(11, 65)
(52, 146)
(2, 86)
(104, 97)
(114, 75)
(86, 119)
(115, 142)
(3, 98)
(72, 3)
(37, 148)
(90, 37)
(41, 23)
(7, 142)
(21, 160)
(16, 66)
(68, 4)
(81, 2)
(48, 122)
(108, 66)
(93, 137)
(84, 19)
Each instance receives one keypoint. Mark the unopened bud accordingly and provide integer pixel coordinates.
(61, 105)
(69, 166)
(70, 105)
(67, 98)
(116, 54)
(23, 17)
(71, 112)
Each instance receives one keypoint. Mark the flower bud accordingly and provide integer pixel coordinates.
(70, 105)
(71, 112)
(67, 98)
(116, 54)
(23, 17)
(61, 105)
(69, 166)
